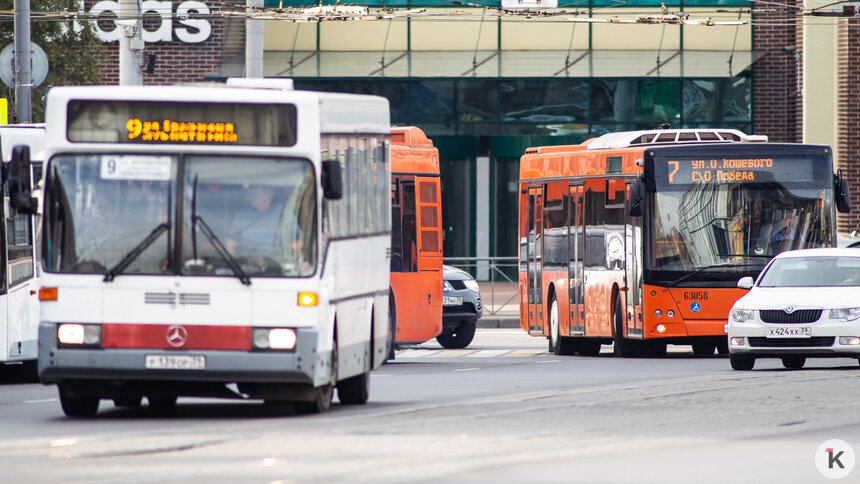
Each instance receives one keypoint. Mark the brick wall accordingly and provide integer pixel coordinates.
(849, 117)
(777, 103)
(178, 61)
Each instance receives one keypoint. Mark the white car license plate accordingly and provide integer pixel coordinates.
(789, 332)
(175, 362)
(452, 300)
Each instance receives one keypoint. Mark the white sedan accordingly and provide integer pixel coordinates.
(805, 303)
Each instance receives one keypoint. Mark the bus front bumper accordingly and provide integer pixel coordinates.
(302, 365)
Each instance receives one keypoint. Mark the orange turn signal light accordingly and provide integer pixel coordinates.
(308, 299)
(47, 294)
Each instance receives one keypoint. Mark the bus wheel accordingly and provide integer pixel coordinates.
(704, 349)
(162, 403)
(78, 406)
(741, 364)
(392, 327)
(459, 337)
(558, 344)
(133, 401)
(794, 362)
(354, 390)
(322, 394)
(589, 347)
(623, 346)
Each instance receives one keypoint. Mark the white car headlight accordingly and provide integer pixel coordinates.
(741, 315)
(472, 285)
(845, 314)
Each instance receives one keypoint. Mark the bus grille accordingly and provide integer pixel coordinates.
(797, 317)
(814, 342)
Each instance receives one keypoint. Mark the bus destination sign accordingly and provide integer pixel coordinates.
(689, 171)
(179, 132)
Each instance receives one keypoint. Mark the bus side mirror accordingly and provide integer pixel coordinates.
(637, 195)
(842, 193)
(332, 180)
(17, 173)
(745, 282)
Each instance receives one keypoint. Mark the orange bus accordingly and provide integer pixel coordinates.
(639, 238)
(416, 238)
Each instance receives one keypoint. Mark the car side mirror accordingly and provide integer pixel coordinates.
(332, 180)
(745, 282)
(17, 173)
(637, 195)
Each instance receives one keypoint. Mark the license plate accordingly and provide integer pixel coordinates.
(789, 332)
(452, 300)
(175, 362)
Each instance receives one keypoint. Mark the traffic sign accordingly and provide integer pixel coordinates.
(38, 65)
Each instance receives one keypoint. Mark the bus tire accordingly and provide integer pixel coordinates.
(623, 346)
(322, 394)
(163, 402)
(704, 349)
(458, 338)
(78, 406)
(133, 401)
(558, 344)
(392, 328)
(741, 364)
(354, 390)
(589, 347)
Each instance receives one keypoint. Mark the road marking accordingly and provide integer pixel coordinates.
(487, 353)
(451, 354)
(44, 400)
(521, 353)
(466, 369)
(416, 353)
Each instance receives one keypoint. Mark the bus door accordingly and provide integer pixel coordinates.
(633, 272)
(535, 246)
(575, 246)
(429, 230)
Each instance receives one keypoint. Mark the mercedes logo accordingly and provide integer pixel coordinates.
(177, 335)
(789, 309)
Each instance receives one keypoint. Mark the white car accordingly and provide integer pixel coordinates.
(805, 303)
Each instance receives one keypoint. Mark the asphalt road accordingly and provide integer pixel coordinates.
(501, 411)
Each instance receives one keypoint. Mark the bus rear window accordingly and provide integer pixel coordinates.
(135, 122)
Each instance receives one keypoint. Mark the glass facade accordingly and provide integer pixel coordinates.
(500, 117)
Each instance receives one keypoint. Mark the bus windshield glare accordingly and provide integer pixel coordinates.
(703, 218)
(118, 212)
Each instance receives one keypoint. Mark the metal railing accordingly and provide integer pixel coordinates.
(503, 290)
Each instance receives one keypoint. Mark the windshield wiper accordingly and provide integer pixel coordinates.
(136, 251)
(222, 251)
(703, 269)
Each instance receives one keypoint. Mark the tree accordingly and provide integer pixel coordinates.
(74, 57)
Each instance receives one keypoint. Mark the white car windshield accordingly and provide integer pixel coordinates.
(812, 272)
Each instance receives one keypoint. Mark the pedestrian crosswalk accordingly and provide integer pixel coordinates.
(415, 353)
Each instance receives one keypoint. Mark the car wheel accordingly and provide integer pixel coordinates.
(741, 364)
(794, 362)
(704, 349)
(623, 346)
(458, 338)
(78, 406)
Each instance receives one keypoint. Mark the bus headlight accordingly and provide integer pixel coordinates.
(845, 314)
(741, 315)
(273, 338)
(75, 334)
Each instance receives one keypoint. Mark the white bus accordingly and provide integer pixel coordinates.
(19, 306)
(222, 241)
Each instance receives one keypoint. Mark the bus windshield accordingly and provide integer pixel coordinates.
(115, 213)
(733, 225)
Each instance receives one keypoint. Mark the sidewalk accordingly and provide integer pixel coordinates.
(501, 305)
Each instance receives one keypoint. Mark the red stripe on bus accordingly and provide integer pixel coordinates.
(156, 336)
